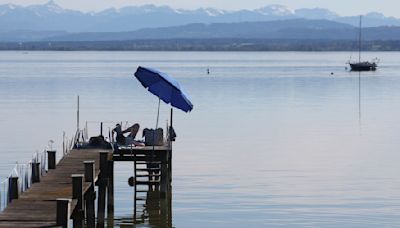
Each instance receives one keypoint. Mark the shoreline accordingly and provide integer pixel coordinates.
(205, 45)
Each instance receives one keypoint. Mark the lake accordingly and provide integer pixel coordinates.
(275, 138)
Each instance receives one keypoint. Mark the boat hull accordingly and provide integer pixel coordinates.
(365, 66)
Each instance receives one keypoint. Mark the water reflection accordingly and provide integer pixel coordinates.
(149, 210)
(279, 117)
(359, 99)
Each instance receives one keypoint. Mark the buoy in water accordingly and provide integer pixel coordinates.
(131, 181)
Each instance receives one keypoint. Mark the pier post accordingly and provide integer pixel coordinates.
(102, 183)
(13, 191)
(171, 138)
(170, 163)
(164, 209)
(63, 212)
(77, 193)
(169, 208)
(35, 172)
(51, 159)
(89, 171)
(110, 194)
(90, 194)
(164, 182)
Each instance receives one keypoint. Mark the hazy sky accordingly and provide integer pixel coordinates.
(343, 7)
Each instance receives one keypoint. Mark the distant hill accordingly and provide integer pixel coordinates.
(52, 17)
(28, 35)
(293, 29)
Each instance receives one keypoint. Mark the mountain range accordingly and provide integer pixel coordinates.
(293, 29)
(51, 16)
(51, 22)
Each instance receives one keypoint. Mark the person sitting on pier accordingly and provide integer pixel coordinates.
(126, 140)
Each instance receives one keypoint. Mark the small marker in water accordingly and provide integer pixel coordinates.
(131, 181)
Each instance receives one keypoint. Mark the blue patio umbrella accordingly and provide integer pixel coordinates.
(165, 88)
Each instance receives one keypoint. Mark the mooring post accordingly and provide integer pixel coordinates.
(169, 195)
(77, 193)
(89, 171)
(169, 152)
(51, 159)
(102, 183)
(164, 182)
(164, 209)
(110, 194)
(90, 195)
(35, 172)
(170, 131)
(13, 192)
(63, 212)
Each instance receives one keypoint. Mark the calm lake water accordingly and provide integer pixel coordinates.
(274, 138)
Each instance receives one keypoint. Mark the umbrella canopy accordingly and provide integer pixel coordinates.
(164, 87)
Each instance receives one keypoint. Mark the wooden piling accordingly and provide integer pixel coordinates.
(110, 195)
(63, 212)
(37, 206)
(35, 172)
(164, 209)
(77, 193)
(90, 195)
(169, 166)
(40, 199)
(102, 186)
(51, 159)
(170, 130)
(170, 208)
(13, 190)
(89, 171)
(164, 182)
(110, 188)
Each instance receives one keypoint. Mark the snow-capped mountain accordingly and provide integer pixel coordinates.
(274, 10)
(47, 9)
(52, 17)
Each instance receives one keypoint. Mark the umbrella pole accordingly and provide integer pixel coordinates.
(158, 112)
(154, 132)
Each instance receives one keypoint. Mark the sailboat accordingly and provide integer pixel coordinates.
(362, 65)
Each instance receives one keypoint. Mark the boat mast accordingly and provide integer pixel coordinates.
(359, 42)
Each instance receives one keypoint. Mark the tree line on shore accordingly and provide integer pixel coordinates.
(206, 45)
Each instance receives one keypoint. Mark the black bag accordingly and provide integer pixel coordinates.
(153, 137)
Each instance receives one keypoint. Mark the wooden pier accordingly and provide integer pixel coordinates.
(66, 195)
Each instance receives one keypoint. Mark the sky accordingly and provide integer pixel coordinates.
(342, 7)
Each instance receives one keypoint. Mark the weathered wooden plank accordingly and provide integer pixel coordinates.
(37, 206)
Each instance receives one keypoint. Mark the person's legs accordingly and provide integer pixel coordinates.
(134, 130)
(129, 129)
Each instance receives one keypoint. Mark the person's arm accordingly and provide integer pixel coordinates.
(112, 134)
